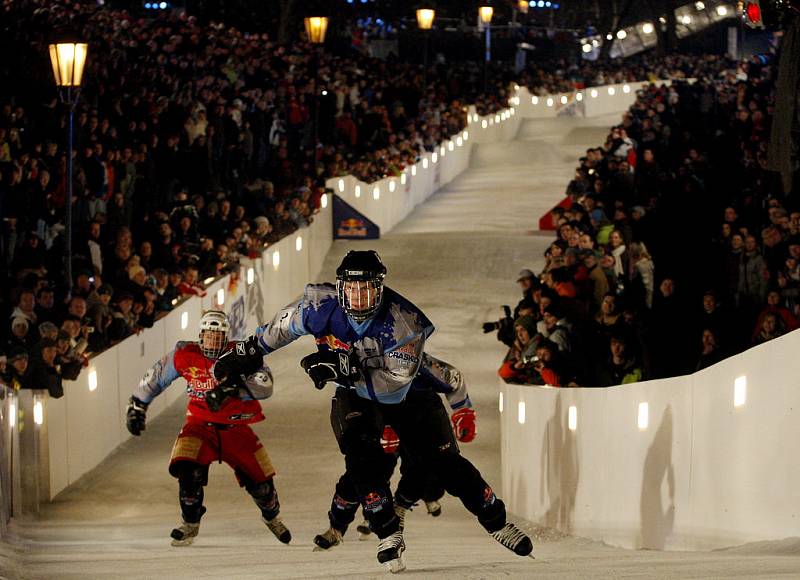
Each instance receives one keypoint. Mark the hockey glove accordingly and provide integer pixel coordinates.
(328, 365)
(217, 396)
(239, 362)
(389, 440)
(135, 416)
(464, 424)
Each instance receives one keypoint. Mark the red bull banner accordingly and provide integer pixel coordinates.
(350, 224)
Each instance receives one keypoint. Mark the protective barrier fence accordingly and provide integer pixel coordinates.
(696, 462)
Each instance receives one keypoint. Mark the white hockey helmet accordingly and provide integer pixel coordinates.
(216, 322)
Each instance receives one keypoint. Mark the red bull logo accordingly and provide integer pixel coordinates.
(333, 343)
(373, 501)
(352, 227)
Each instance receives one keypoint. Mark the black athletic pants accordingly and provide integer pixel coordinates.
(423, 426)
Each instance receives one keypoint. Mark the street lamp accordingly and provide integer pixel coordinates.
(523, 6)
(68, 60)
(485, 14)
(425, 17)
(316, 27)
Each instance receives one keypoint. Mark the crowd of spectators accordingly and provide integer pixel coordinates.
(564, 76)
(677, 247)
(194, 145)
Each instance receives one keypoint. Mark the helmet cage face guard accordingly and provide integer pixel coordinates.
(213, 342)
(214, 328)
(360, 294)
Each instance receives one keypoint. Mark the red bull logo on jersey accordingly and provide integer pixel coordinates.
(332, 343)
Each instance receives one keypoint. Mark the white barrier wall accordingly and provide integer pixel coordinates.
(388, 201)
(697, 462)
(88, 423)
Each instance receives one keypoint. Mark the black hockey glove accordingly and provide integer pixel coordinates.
(217, 396)
(135, 416)
(328, 365)
(239, 362)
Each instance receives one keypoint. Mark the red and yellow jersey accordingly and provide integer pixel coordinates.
(188, 361)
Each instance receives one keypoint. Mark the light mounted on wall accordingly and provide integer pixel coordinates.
(740, 391)
(92, 380)
(643, 417)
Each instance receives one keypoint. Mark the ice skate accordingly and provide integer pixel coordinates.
(185, 534)
(363, 530)
(390, 552)
(434, 508)
(327, 540)
(277, 527)
(514, 539)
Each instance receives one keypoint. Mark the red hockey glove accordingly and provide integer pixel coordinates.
(464, 424)
(389, 440)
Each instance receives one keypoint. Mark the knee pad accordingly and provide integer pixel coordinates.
(189, 473)
(191, 479)
(342, 512)
(265, 496)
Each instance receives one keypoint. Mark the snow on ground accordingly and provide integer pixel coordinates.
(457, 257)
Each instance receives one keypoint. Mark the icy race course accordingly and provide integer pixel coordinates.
(457, 256)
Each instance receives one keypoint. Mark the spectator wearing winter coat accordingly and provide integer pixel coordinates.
(620, 367)
(43, 373)
(597, 277)
(771, 327)
(753, 275)
(642, 279)
(787, 320)
(516, 367)
(711, 352)
(123, 323)
(556, 328)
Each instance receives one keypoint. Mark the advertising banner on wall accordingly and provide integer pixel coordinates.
(350, 224)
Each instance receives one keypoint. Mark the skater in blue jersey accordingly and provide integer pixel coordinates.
(370, 344)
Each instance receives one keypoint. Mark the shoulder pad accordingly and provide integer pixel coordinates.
(184, 344)
(316, 294)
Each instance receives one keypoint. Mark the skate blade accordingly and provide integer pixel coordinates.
(395, 566)
(321, 549)
(184, 542)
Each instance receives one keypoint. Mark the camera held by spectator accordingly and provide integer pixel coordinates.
(504, 327)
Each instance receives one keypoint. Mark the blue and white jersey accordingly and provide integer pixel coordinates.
(441, 377)
(389, 345)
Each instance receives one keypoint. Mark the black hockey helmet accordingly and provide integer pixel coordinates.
(359, 284)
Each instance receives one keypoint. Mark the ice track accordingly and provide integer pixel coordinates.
(457, 257)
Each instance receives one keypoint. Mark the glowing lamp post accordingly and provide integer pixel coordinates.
(425, 18)
(68, 60)
(316, 27)
(485, 14)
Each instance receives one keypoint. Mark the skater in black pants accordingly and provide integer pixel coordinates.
(371, 344)
(431, 460)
